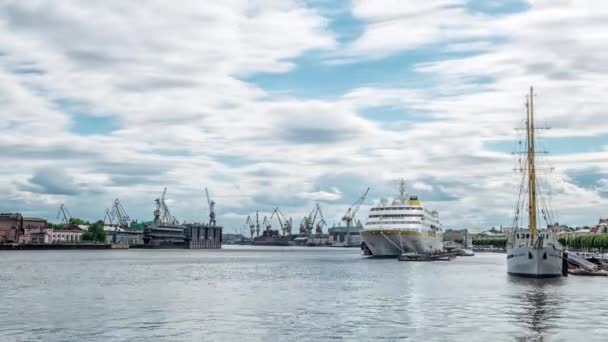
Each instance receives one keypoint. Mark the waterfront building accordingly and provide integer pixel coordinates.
(122, 236)
(15, 228)
(345, 236)
(602, 227)
(461, 236)
(69, 234)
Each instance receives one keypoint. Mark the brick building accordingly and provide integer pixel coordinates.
(15, 228)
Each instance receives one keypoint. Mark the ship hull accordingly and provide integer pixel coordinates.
(394, 242)
(278, 241)
(534, 262)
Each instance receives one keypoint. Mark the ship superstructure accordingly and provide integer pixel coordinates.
(402, 226)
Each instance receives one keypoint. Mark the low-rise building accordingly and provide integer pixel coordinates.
(122, 236)
(15, 228)
(69, 234)
(461, 236)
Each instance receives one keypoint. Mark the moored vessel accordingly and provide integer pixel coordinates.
(532, 252)
(402, 226)
(269, 236)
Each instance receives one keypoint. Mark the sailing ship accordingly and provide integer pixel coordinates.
(532, 252)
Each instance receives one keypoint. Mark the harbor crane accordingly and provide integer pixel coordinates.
(308, 222)
(211, 209)
(64, 213)
(349, 216)
(266, 224)
(320, 225)
(162, 215)
(285, 224)
(107, 218)
(257, 223)
(251, 225)
(120, 214)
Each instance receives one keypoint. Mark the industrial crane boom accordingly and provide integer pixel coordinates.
(349, 216)
(211, 209)
(64, 213)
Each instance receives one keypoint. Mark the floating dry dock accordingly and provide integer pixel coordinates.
(166, 232)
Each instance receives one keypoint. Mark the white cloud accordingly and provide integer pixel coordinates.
(174, 78)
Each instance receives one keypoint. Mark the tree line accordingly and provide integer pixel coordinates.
(597, 242)
(496, 242)
(94, 233)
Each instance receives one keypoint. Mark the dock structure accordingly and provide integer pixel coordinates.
(203, 236)
(167, 232)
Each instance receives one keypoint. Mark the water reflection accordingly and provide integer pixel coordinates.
(540, 306)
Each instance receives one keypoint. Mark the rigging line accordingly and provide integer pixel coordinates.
(547, 213)
(543, 198)
(519, 202)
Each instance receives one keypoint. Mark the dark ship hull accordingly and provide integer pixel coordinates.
(190, 236)
(271, 238)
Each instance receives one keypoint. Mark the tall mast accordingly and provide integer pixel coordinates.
(402, 189)
(531, 168)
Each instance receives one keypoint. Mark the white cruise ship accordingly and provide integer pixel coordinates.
(402, 226)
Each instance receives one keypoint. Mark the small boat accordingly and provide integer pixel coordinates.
(466, 252)
(583, 272)
(426, 257)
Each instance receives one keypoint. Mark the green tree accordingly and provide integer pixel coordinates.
(497, 242)
(95, 233)
(77, 221)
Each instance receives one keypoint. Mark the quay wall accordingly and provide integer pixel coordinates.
(31, 247)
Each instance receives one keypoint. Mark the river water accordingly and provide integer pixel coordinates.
(286, 294)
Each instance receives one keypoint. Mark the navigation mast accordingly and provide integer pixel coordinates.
(531, 167)
(402, 189)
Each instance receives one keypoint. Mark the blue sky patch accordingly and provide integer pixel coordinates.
(497, 7)
(234, 161)
(84, 122)
(391, 114)
(94, 125)
(313, 76)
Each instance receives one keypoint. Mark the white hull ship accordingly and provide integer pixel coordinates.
(403, 226)
(531, 252)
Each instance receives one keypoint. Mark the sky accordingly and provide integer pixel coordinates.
(284, 103)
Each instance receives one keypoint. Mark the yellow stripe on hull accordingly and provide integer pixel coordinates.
(395, 242)
(401, 232)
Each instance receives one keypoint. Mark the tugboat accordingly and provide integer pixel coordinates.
(532, 252)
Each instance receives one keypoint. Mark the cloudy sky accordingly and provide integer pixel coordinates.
(283, 103)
